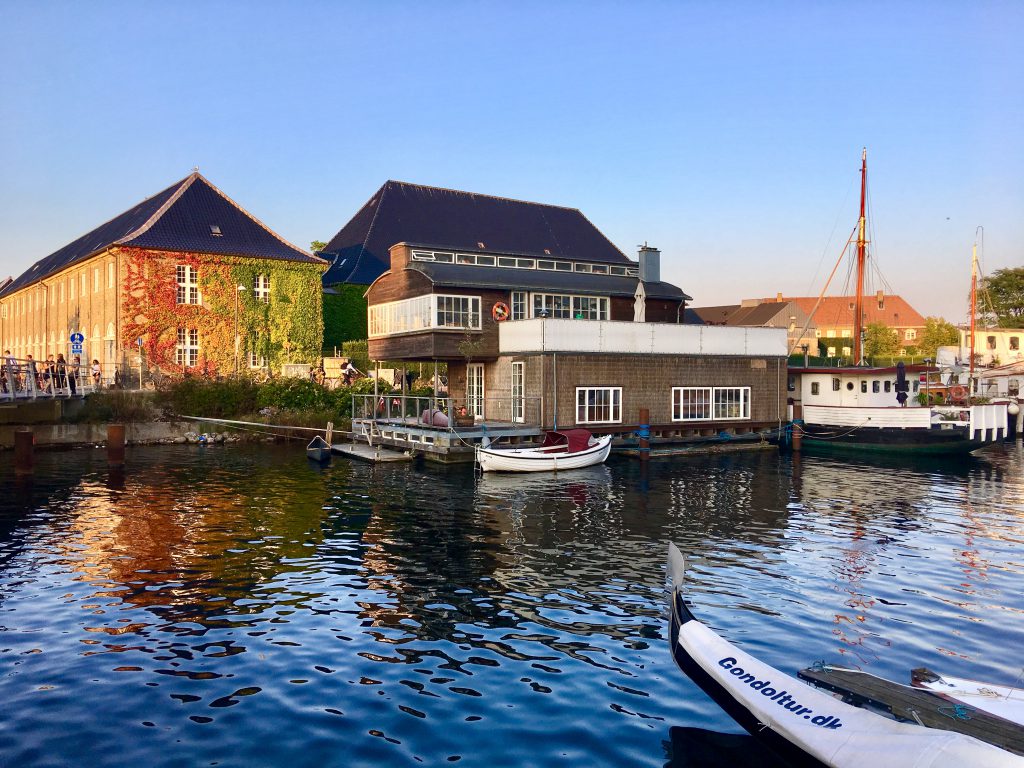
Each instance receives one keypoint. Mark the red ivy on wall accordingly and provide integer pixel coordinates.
(152, 312)
(290, 328)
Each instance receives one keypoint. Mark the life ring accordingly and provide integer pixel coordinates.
(499, 311)
(958, 393)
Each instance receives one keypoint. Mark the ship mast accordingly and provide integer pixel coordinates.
(974, 305)
(858, 319)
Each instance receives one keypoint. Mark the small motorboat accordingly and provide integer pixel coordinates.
(806, 726)
(561, 450)
(318, 450)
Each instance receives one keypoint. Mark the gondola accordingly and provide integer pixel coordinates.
(803, 725)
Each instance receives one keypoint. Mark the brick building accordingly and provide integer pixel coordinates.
(185, 279)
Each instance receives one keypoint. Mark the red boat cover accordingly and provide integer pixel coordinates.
(576, 440)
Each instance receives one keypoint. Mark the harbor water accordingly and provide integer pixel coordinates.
(239, 606)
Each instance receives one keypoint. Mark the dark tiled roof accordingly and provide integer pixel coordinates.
(579, 283)
(711, 315)
(176, 219)
(754, 315)
(401, 212)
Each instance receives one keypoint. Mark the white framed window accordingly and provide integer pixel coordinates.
(910, 334)
(457, 312)
(60, 292)
(257, 361)
(110, 275)
(96, 280)
(518, 392)
(567, 307)
(81, 279)
(555, 305)
(261, 288)
(691, 403)
(187, 351)
(71, 287)
(598, 405)
(424, 313)
(475, 389)
(847, 351)
(707, 403)
(846, 333)
(518, 305)
(731, 402)
(188, 284)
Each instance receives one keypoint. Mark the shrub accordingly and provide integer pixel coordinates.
(215, 399)
(117, 406)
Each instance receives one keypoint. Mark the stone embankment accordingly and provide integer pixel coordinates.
(147, 433)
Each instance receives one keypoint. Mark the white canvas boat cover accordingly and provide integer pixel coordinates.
(835, 733)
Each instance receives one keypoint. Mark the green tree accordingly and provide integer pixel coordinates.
(1002, 298)
(317, 245)
(937, 333)
(880, 340)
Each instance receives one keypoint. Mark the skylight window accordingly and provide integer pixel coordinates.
(215, 231)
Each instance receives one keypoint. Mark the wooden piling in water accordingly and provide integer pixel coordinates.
(115, 445)
(24, 443)
(798, 427)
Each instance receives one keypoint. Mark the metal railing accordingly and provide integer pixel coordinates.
(446, 412)
(30, 379)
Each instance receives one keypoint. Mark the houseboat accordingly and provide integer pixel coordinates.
(544, 324)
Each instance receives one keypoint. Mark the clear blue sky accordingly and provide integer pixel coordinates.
(727, 134)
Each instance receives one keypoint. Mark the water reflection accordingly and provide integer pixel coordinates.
(410, 614)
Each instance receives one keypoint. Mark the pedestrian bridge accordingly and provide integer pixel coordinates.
(26, 379)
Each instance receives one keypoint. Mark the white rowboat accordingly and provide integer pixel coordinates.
(561, 450)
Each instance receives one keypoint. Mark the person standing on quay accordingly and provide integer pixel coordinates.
(76, 366)
(62, 372)
(96, 373)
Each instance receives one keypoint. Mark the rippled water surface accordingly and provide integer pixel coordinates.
(238, 606)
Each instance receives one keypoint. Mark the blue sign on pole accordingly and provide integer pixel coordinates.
(76, 349)
(77, 338)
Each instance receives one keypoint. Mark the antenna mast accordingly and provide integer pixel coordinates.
(858, 319)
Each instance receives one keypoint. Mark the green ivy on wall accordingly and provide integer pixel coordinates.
(288, 328)
(344, 316)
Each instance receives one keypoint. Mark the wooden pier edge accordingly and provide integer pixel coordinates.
(911, 704)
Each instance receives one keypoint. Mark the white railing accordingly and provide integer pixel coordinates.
(610, 336)
(29, 379)
(846, 416)
(445, 412)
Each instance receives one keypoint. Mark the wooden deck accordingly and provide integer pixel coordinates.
(916, 705)
(376, 453)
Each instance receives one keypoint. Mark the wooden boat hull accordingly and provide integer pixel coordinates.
(803, 725)
(536, 460)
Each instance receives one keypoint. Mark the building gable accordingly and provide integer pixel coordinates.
(401, 212)
(179, 218)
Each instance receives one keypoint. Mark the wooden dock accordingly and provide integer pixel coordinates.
(916, 705)
(376, 453)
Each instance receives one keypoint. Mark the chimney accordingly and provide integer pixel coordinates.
(778, 297)
(650, 264)
(881, 299)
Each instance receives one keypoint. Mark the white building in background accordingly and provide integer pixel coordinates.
(992, 346)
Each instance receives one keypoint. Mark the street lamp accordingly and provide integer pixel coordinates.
(927, 391)
(805, 347)
(238, 290)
